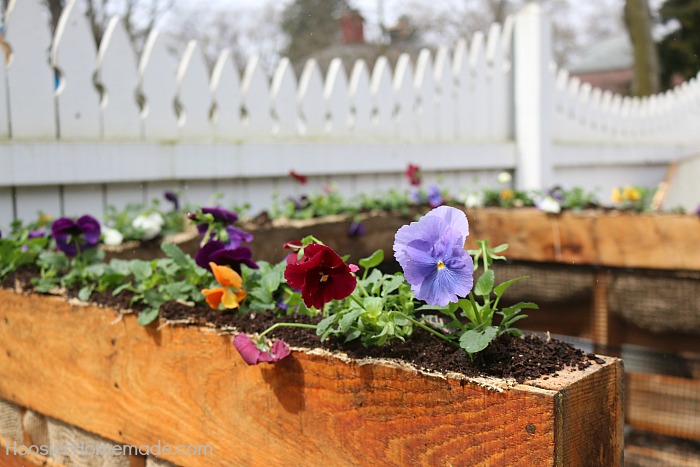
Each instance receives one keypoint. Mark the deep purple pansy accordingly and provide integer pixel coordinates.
(253, 355)
(218, 253)
(432, 255)
(221, 214)
(173, 198)
(356, 229)
(74, 236)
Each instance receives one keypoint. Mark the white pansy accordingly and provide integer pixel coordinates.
(504, 177)
(150, 224)
(549, 205)
(112, 236)
(474, 200)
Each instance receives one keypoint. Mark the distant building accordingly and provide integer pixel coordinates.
(609, 65)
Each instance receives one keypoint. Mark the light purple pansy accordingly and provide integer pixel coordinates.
(432, 255)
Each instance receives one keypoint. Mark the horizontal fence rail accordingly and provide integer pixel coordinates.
(89, 127)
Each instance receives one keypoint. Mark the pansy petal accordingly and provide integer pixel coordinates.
(226, 276)
(213, 296)
(230, 299)
(279, 350)
(247, 348)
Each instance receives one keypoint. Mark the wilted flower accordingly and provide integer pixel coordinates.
(321, 275)
(298, 177)
(218, 253)
(504, 177)
(413, 174)
(72, 237)
(149, 224)
(230, 294)
(112, 236)
(434, 196)
(548, 205)
(356, 229)
(173, 198)
(432, 255)
(252, 355)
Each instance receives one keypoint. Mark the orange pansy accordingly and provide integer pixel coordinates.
(230, 293)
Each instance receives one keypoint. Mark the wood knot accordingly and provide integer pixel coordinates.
(530, 428)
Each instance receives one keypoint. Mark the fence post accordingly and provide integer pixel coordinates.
(533, 106)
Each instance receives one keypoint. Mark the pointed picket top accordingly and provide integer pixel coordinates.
(493, 43)
(360, 99)
(425, 97)
(4, 109)
(283, 92)
(311, 101)
(499, 87)
(506, 40)
(194, 95)
(225, 87)
(405, 98)
(30, 79)
(477, 64)
(382, 97)
(335, 91)
(255, 95)
(464, 96)
(156, 80)
(74, 56)
(116, 74)
(445, 95)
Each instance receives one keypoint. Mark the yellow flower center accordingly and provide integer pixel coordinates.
(324, 277)
(440, 265)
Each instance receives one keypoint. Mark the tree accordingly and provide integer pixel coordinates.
(646, 59)
(310, 25)
(679, 50)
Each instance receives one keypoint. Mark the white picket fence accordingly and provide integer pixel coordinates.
(74, 137)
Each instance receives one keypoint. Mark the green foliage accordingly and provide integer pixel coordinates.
(679, 50)
(268, 291)
(310, 26)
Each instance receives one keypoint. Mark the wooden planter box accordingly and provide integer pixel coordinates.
(188, 386)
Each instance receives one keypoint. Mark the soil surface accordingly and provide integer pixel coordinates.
(522, 359)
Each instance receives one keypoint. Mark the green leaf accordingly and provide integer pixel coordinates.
(271, 281)
(140, 269)
(484, 285)
(475, 341)
(85, 292)
(500, 248)
(374, 260)
(147, 316)
(176, 254)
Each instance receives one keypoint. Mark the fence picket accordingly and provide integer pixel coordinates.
(425, 97)
(361, 100)
(226, 93)
(382, 98)
(312, 105)
(116, 74)
(335, 92)
(480, 106)
(30, 79)
(73, 55)
(4, 108)
(405, 99)
(157, 86)
(255, 95)
(284, 100)
(444, 80)
(464, 95)
(194, 95)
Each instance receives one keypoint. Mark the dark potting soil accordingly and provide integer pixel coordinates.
(507, 357)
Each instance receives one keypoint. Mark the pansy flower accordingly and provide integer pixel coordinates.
(298, 177)
(434, 196)
(237, 236)
(321, 275)
(413, 174)
(218, 253)
(432, 255)
(252, 354)
(230, 294)
(173, 198)
(75, 236)
(356, 229)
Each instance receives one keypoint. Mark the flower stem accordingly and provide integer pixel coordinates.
(289, 325)
(427, 328)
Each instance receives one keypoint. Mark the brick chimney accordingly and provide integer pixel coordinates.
(352, 27)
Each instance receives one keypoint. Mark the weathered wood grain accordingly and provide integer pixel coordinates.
(188, 386)
(616, 239)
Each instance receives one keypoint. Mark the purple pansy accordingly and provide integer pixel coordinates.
(253, 355)
(173, 198)
(434, 196)
(432, 255)
(73, 236)
(218, 253)
(237, 236)
(356, 229)
(220, 214)
(38, 233)
(414, 195)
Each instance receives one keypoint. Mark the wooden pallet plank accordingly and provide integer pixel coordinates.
(188, 386)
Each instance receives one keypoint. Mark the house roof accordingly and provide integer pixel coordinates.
(613, 53)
